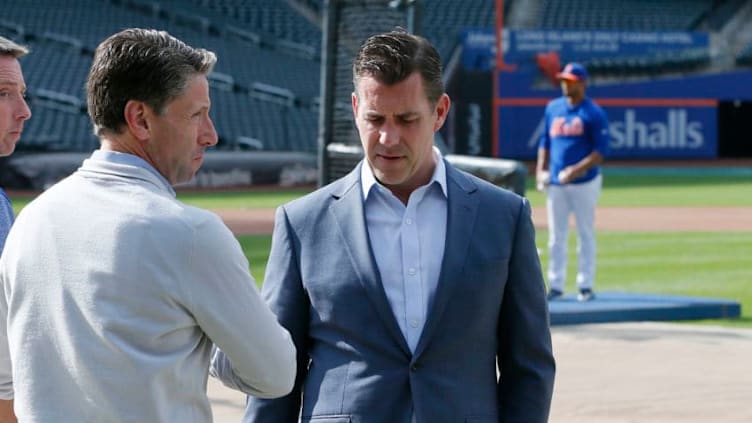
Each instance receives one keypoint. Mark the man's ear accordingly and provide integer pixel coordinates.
(442, 111)
(136, 119)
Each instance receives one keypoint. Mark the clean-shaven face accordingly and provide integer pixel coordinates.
(182, 133)
(13, 108)
(397, 124)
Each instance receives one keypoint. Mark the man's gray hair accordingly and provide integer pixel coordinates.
(140, 64)
(9, 48)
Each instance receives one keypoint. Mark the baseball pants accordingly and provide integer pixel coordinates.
(563, 201)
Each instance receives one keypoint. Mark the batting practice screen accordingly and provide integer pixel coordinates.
(347, 23)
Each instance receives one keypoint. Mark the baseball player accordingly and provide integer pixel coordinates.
(573, 144)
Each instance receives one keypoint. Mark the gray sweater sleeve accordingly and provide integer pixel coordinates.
(253, 352)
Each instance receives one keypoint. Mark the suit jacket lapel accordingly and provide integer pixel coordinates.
(349, 214)
(462, 209)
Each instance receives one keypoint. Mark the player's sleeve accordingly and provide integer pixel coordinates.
(545, 141)
(600, 132)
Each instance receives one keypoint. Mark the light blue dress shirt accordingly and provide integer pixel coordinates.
(408, 244)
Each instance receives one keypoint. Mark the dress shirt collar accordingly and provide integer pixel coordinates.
(368, 180)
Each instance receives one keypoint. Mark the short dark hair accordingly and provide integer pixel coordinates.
(393, 56)
(9, 48)
(140, 64)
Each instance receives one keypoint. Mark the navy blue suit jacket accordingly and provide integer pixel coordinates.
(354, 364)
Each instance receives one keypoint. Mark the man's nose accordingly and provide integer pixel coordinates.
(24, 112)
(389, 134)
(209, 134)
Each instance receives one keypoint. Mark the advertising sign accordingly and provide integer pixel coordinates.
(636, 132)
(578, 45)
(521, 46)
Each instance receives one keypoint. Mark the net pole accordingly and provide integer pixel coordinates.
(414, 16)
(326, 96)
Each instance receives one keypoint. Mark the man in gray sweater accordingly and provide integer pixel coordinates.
(112, 292)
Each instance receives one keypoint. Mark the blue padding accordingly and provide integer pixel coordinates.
(629, 307)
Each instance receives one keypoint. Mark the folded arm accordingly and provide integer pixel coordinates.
(257, 354)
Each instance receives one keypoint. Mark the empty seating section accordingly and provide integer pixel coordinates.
(632, 15)
(745, 55)
(247, 63)
(55, 76)
(276, 127)
(238, 116)
(642, 15)
(62, 36)
(51, 129)
(722, 12)
(444, 20)
(101, 19)
(661, 62)
(88, 21)
(54, 67)
(273, 18)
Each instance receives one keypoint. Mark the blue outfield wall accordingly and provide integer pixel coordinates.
(731, 85)
(636, 132)
(662, 117)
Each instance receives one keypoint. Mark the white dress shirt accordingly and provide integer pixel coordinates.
(408, 244)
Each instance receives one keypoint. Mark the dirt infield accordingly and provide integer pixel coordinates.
(666, 219)
(648, 219)
(627, 373)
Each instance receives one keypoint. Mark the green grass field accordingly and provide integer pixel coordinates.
(618, 190)
(703, 264)
(696, 264)
(667, 191)
(216, 200)
(240, 200)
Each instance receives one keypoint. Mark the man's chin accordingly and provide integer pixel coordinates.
(7, 150)
(388, 179)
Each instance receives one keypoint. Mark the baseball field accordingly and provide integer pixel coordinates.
(688, 233)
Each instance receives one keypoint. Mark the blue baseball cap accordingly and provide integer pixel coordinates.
(573, 72)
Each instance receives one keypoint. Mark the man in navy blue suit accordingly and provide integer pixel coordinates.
(407, 283)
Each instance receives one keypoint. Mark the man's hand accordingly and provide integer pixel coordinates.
(6, 412)
(567, 175)
(542, 179)
(570, 173)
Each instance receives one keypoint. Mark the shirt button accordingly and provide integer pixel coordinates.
(414, 323)
(408, 221)
(411, 271)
